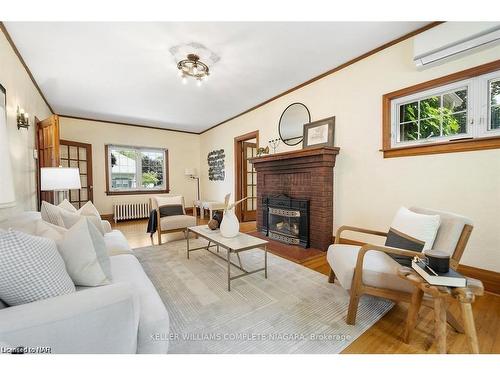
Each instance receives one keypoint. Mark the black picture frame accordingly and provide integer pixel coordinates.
(325, 133)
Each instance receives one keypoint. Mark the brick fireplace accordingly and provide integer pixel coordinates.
(304, 175)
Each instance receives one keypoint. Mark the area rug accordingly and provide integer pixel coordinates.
(294, 310)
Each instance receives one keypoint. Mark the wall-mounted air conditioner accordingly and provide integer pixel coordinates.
(453, 39)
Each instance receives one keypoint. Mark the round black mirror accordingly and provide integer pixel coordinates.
(291, 125)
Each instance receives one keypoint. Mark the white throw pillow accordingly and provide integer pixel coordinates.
(88, 209)
(31, 269)
(421, 227)
(66, 205)
(69, 219)
(51, 214)
(85, 255)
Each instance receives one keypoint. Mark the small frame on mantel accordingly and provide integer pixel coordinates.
(319, 133)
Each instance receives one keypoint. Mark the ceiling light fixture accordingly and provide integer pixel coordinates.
(193, 67)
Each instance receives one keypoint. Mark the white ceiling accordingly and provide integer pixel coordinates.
(125, 72)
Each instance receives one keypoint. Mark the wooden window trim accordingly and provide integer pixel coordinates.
(136, 192)
(460, 145)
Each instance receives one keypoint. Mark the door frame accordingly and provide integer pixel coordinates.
(90, 181)
(238, 141)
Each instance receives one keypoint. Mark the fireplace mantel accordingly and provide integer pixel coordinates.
(327, 154)
(301, 174)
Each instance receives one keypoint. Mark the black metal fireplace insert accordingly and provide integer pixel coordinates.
(286, 219)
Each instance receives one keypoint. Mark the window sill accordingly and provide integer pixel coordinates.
(137, 192)
(443, 147)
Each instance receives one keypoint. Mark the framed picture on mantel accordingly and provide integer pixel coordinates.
(319, 133)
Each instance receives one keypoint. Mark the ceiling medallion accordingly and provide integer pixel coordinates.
(193, 67)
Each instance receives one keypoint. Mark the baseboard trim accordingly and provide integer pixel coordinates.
(490, 279)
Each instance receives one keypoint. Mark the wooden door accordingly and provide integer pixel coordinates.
(47, 144)
(249, 182)
(78, 155)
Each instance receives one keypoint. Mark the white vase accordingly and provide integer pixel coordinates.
(230, 226)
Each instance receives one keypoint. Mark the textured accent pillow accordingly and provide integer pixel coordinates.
(51, 214)
(31, 269)
(84, 252)
(66, 205)
(88, 209)
(69, 219)
(171, 210)
(412, 231)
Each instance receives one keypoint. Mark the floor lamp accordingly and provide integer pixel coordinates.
(191, 173)
(59, 180)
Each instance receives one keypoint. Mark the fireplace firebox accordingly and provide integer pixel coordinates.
(286, 219)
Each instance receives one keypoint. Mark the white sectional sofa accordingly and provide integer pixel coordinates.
(126, 316)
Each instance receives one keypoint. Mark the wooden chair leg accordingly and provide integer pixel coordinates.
(159, 237)
(331, 277)
(440, 324)
(353, 308)
(414, 308)
(470, 328)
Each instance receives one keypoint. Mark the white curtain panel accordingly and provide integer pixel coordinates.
(7, 197)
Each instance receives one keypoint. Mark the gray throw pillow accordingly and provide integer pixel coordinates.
(31, 269)
(171, 210)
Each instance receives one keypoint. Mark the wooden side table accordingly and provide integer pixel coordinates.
(441, 295)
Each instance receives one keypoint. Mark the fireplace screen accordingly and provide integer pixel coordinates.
(284, 225)
(286, 220)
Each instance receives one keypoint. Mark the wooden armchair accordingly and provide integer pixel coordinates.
(368, 269)
(173, 221)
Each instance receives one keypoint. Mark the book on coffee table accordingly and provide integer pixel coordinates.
(451, 278)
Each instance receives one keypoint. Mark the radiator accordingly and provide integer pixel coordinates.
(130, 210)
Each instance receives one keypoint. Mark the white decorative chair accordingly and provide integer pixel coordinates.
(368, 269)
(175, 218)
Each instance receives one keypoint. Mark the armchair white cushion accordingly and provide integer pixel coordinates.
(174, 222)
(379, 269)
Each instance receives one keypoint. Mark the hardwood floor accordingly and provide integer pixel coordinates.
(384, 337)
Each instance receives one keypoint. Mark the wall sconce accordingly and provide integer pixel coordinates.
(23, 119)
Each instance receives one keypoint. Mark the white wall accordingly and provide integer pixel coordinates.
(368, 188)
(183, 152)
(22, 92)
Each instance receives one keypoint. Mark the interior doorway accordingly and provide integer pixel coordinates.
(245, 148)
(78, 155)
(47, 144)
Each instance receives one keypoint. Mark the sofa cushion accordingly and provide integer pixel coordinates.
(85, 255)
(31, 269)
(51, 214)
(66, 205)
(177, 222)
(69, 219)
(88, 209)
(379, 269)
(154, 320)
(116, 243)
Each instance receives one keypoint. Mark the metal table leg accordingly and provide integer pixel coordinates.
(265, 261)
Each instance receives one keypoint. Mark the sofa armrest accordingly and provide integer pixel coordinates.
(107, 226)
(94, 320)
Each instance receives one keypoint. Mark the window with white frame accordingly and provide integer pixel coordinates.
(136, 169)
(461, 110)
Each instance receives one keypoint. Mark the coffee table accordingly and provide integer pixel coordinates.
(236, 245)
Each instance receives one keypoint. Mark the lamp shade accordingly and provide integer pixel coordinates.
(7, 197)
(52, 178)
(190, 171)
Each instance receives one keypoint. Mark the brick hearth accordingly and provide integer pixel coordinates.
(306, 174)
